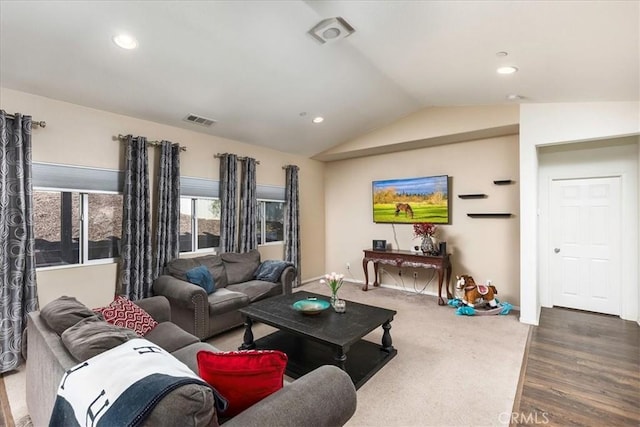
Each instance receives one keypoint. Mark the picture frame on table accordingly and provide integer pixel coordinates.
(379, 245)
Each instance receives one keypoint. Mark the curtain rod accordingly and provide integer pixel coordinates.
(241, 158)
(153, 143)
(286, 166)
(34, 123)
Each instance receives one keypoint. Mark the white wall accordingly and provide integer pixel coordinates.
(545, 124)
(486, 248)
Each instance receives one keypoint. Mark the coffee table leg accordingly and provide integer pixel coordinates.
(386, 337)
(248, 343)
(341, 359)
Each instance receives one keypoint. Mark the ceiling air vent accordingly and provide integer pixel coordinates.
(331, 29)
(199, 120)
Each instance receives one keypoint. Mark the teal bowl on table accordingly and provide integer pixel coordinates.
(311, 306)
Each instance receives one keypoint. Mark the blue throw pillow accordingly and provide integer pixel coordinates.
(202, 277)
(270, 270)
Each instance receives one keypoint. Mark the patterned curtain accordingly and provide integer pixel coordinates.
(292, 220)
(135, 257)
(167, 230)
(248, 206)
(18, 290)
(228, 202)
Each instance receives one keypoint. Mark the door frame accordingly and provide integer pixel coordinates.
(610, 161)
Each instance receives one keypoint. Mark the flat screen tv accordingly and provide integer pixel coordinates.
(411, 200)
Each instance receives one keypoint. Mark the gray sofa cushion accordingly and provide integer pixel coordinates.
(178, 267)
(189, 405)
(241, 267)
(257, 289)
(225, 300)
(92, 336)
(170, 336)
(64, 312)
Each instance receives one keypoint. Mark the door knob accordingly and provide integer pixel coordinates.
(556, 250)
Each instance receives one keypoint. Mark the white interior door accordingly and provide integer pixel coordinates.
(585, 238)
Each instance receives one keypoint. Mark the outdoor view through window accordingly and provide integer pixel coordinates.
(80, 228)
(59, 221)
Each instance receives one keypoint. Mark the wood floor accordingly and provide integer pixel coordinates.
(580, 369)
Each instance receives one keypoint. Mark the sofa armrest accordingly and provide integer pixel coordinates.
(158, 307)
(189, 304)
(323, 397)
(287, 277)
(48, 361)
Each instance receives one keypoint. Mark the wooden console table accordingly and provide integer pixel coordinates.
(408, 259)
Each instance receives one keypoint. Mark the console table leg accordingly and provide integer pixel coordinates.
(248, 343)
(375, 274)
(365, 262)
(449, 294)
(387, 344)
(341, 359)
(440, 278)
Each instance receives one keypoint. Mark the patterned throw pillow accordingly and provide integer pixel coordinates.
(243, 377)
(124, 313)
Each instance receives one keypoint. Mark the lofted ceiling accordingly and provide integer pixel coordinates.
(252, 66)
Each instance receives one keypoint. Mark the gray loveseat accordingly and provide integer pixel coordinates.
(324, 397)
(236, 285)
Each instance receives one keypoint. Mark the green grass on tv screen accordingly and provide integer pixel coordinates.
(422, 212)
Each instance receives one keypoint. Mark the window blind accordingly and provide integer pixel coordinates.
(76, 178)
(201, 187)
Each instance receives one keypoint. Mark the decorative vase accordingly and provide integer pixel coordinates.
(340, 306)
(427, 246)
(334, 298)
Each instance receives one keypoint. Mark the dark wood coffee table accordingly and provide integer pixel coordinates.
(311, 341)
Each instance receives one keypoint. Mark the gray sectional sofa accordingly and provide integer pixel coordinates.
(324, 397)
(239, 279)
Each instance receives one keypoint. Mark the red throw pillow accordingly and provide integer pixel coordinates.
(124, 313)
(243, 377)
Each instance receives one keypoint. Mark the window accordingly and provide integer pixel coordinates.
(76, 227)
(200, 214)
(199, 223)
(270, 221)
(77, 214)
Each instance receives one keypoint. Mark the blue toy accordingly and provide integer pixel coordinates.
(463, 309)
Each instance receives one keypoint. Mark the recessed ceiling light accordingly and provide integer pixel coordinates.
(506, 70)
(318, 119)
(502, 53)
(514, 97)
(125, 41)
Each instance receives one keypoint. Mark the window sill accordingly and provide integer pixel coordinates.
(88, 264)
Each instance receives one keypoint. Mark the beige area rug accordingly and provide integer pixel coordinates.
(13, 399)
(450, 370)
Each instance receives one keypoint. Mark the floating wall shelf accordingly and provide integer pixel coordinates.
(503, 182)
(489, 215)
(472, 196)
